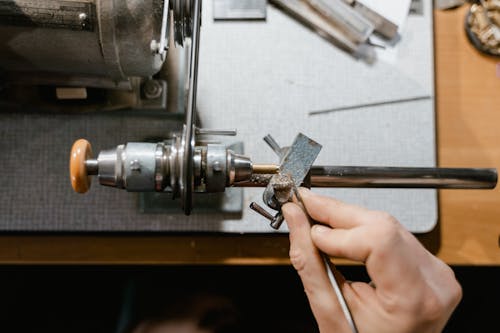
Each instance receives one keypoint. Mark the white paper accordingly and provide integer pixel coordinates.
(395, 11)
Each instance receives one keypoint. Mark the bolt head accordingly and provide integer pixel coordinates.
(135, 165)
(152, 89)
(217, 167)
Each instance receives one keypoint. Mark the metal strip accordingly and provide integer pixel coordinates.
(187, 183)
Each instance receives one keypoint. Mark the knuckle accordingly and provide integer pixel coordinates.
(432, 307)
(457, 293)
(455, 289)
(385, 226)
(385, 219)
(298, 259)
(392, 305)
(435, 305)
(382, 215)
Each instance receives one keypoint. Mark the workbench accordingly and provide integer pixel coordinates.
(467, 98)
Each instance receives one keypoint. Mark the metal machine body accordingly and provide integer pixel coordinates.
(96, 43)
(105, 54)
(145, 167)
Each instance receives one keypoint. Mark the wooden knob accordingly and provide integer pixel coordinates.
(80, 152)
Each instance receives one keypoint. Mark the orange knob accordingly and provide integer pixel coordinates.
(80, 152)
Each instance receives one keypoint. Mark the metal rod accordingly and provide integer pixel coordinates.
(92, 166)
(370, 105)
(187, 182)
(273, 144)
(265, 169)
(257, 208)
(208, 131)
(393, 177)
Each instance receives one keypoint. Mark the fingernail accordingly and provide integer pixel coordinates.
(319, 229)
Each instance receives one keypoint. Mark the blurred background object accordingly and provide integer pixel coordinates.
(482, 25)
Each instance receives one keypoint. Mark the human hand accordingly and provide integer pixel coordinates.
(415, 291)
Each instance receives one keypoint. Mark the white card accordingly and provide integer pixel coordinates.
(394, 11)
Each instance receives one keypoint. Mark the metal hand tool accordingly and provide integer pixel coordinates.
(294, 167)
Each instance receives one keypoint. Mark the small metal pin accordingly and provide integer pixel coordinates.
(276, 221)
(258, 209)
(265, 169)
(92, 166)
(206, 131)
(273, 144)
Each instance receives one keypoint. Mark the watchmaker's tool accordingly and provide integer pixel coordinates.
(160, 167)
(294, 167)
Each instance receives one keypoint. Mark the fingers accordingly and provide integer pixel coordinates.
(311, 269)
(353, 244)
(332, 212)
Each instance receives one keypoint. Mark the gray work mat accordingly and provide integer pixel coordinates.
(258, 77)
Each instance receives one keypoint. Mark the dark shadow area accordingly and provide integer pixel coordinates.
(432, 240)
(479, 309)
(218, 298)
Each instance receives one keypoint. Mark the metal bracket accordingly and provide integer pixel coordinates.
(295, 163)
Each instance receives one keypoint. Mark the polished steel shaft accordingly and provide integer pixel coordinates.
(392, 177)
(397, 177)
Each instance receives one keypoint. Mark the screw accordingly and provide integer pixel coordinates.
(83, 18)
(154, 46)
(135, 165)
(152, 89)
(217, 167)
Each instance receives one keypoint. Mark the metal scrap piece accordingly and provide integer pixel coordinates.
(295, 165)
(283, 186)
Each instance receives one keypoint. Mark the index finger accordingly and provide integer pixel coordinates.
(332, 212)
